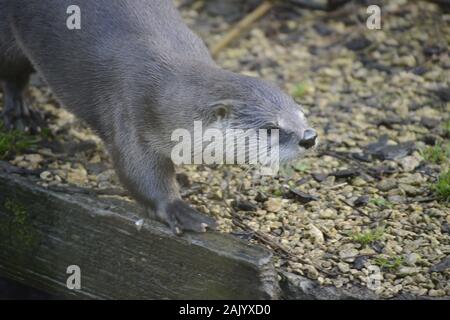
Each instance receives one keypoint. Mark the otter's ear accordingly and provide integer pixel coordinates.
(221, 109)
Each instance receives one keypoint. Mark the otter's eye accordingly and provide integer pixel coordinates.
(221, 112)
(270, 128)
(283, 135)
(221, 109)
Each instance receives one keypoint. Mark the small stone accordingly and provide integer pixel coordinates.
(396, 199)
(358, 182)
(217, 195)
(415, 179)
(436, 293)
(441, 266)
(34, 159)
(77, 175)
(409, 163)
(348, 254)
(367, 251)
(46, 175)
(360, 262)
(273, 204)
(316, 234)
(311, 272)
(412, 258)
(328, 213)
(406, 61)
(319, 177)
(406, 271)
(361, 201)
(386, 185)
(343, 267)
(261, 197)
(106, 176)
(410, 190)
(244, 205)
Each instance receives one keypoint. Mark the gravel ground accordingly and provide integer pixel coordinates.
(364, 199)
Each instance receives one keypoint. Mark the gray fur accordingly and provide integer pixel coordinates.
(134, 73)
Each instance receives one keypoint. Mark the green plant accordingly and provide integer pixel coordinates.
(442, 186)
(14, 141)
(301, 167)
(436, 154)
(381, 202)
(389, 263)
(300, 90)
(446, 129)
(367, 237)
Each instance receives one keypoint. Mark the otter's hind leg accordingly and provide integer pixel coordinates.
(15, 71)
(17, 114)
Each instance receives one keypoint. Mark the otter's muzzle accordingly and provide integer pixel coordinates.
(309, 139)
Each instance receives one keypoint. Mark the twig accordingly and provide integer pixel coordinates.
(354, 207)
(262, 237)
(242, 25)
(337, 186)
(191, 191)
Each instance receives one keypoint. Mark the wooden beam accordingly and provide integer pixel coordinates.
(42, 232)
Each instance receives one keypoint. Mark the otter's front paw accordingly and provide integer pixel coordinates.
(181, 217)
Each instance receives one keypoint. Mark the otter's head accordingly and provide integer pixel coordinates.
(251, 103)
(223, 100)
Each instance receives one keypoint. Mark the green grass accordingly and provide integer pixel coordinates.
(442, 186)
(436, 154)
(14, 142)
(367, 237)
(446, 129)
(300, 90)
(389, 263)
(301, 167)
(381, 203)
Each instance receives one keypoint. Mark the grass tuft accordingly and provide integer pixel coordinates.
(436, 154)
(381, 203)
(368, 237)
(14, 142)
(442, 186)
(389, 263)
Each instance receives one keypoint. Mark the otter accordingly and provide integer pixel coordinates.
(134, 73)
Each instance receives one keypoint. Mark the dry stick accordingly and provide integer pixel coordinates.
(244, 24)
(262, 237)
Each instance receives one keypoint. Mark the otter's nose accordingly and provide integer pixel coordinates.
(309, 139)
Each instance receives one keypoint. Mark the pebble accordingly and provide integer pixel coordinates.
(386, 185)
(409, 163)
(403, 271)
(343, 267)
(412, 258)
(316, 234)
(46, 175)
(328, 213)
(273, 204)
(349, 254)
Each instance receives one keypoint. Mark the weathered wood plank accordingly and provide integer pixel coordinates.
(43, 232)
